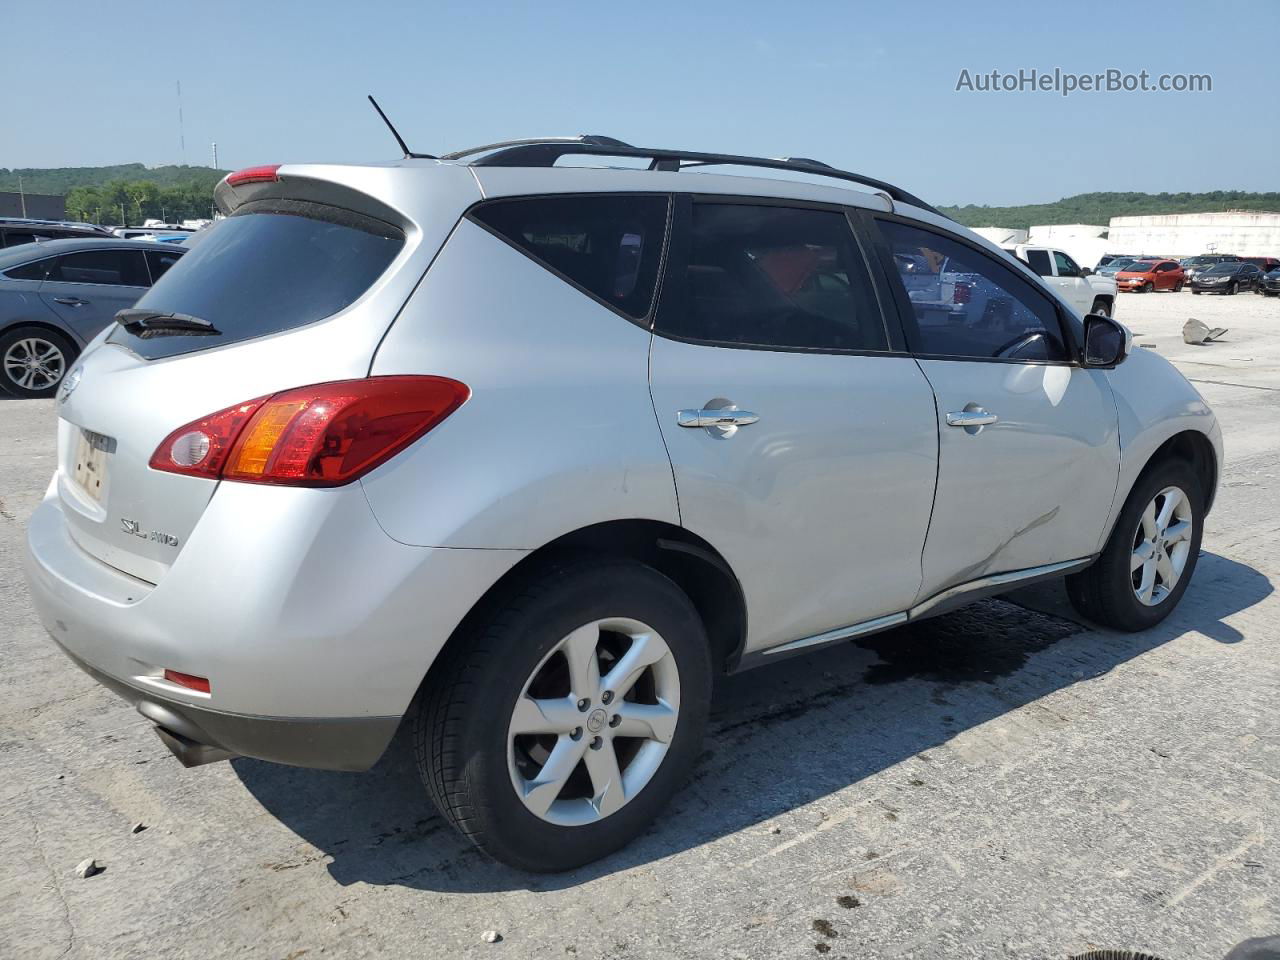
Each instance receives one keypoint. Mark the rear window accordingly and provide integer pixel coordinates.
(272, 266)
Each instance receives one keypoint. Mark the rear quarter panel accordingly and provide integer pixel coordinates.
(559, 432)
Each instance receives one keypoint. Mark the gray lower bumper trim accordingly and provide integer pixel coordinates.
(343, 743)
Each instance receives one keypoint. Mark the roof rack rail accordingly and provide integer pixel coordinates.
(545, 151)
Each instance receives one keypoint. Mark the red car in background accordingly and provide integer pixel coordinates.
(1145, 276)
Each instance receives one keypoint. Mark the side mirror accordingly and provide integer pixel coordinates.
(1106, 342)
(1086, 272)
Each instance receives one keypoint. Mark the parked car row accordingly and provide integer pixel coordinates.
(1212, 272)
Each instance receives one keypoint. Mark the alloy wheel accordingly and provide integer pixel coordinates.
(1161, 546)
(34, 363)
(594, 722)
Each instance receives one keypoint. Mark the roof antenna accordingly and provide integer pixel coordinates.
(408, 154)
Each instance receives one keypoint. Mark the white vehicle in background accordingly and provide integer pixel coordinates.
(1079, 286)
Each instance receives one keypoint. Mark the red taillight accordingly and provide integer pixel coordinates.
(962, 293)
(319, 436)
(267, 173)
(200, 684)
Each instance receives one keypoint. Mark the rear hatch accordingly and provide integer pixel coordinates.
(296, 286)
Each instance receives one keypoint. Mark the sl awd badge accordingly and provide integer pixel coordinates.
(134, 528)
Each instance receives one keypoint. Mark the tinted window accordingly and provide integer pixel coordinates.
(30, 271)
(965, 304)
(14, 237)
(160, 261)
(1038, 260)
(1066, 266)
(120, 268)
(271, 266)
(607, 245)
(770, 276)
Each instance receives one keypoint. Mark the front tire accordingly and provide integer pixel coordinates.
(1151, 555)
(1147, 287)
(1101, 307)
(1232, 290)
(561, 726)
(33, 361)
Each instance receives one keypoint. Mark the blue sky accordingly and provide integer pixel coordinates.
(865, 86)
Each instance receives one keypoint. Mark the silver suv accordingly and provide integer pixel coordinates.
(523, 455)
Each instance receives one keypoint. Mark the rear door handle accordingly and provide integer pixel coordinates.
(971, 418)
(726, 417)
(70, 301)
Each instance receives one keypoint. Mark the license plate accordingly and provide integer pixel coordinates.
(92, 451)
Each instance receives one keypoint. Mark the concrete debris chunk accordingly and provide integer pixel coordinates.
(87, 868)
(1197, 333)
(491, 936)
(138, 827)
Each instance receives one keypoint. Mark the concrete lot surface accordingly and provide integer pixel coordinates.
(1000, 782)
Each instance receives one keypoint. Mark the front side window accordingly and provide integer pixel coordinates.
(117, 268)
(160, 261)
(609, 246)
(965, 304)
(1066, 266)
(771, 276)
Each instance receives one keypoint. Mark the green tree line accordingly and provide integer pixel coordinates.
(59, 181)
(1099, 208)
(130, 202)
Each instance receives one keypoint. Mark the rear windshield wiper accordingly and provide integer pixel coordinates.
(144, 323)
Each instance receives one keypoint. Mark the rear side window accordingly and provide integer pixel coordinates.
(30, 271)
(770, 276)
(966, 304)
(1038, 260)
(607, 246)
(115, 268)
(271, 266)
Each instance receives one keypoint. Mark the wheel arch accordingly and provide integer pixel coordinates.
(44, 325)
(1191, 446)
(689, 561)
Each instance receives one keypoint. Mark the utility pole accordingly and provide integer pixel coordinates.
(215, 155)
(182, 137)
(22, 195)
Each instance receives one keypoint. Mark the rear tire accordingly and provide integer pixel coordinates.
(1140, 554)
(33, 361)
(492, 782)
(1177, 287)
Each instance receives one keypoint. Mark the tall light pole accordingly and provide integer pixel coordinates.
(22, 195)
(215, 155)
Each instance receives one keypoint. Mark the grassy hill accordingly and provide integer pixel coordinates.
(60, 180)
(1099, 208)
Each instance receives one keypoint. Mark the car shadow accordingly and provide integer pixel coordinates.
(778, 738)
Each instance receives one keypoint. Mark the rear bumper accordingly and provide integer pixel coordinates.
(348, 743)
(314, 628)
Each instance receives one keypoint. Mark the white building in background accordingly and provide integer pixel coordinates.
(1187, 234)
(1001, 236)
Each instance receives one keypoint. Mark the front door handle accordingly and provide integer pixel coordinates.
(971, 418)
(726, 417)
(70, 301)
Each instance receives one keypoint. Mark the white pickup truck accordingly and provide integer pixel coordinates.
(1081, 288)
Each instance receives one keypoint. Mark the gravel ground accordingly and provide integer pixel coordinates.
(1000, 782)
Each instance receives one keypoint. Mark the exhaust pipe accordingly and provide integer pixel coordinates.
(191, 753)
